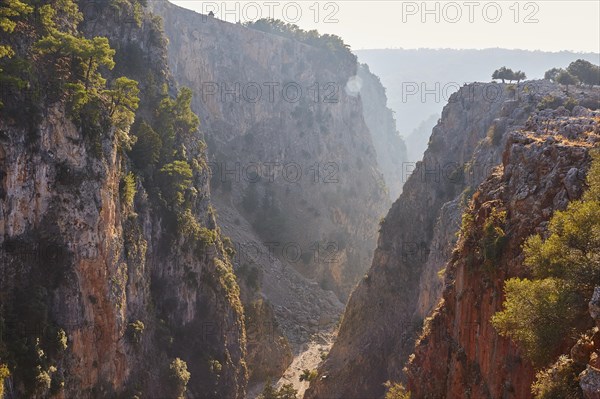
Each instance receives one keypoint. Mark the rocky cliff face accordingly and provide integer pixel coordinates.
(100, 295)
(287, 140)
(459, 353)
(295, 165)
(390, 148)
(385, 311)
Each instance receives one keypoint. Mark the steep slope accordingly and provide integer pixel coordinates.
(389, 146)
(460, 354)
(287, 141)
(385, 311)
(102, 288)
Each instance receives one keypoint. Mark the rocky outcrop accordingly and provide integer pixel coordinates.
(385, 312)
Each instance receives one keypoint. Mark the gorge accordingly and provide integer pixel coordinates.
(192, 208)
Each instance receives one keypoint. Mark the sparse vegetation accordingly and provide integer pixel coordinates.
(545, 311)
(308, 375)
(494, 237)
(287, 391)
(334, 44)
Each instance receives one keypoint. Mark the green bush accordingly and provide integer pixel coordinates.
(135, 330)
(560, 381)
(122, 101)
(570, 103)
(176, 177)
(494, 237)
(287, 391)
(396, 391)
(179, 377)
(4, 374)
(549, 102)
(146, 151)
(56, 340)
(215, 367)
(127, 189)
(585, 72)
(43, 381)
(207, 237)
(335, 46)
(536, 315)
(308, 375)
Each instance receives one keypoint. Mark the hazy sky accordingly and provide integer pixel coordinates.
(550, 25)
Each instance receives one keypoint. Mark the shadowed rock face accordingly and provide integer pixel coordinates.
(384, 314)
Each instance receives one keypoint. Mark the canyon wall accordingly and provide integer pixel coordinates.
(385, 312)
(281, 109)
(100, 295)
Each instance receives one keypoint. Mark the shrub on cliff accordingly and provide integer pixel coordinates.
(176, 177)
(127, 189)
(541, 313)
(537, 315)
(179, 376)
(287, 391)
(4, 374)
(494, 237)
(560, 381)
(135, 330)
(396, 391)
(308, 375)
